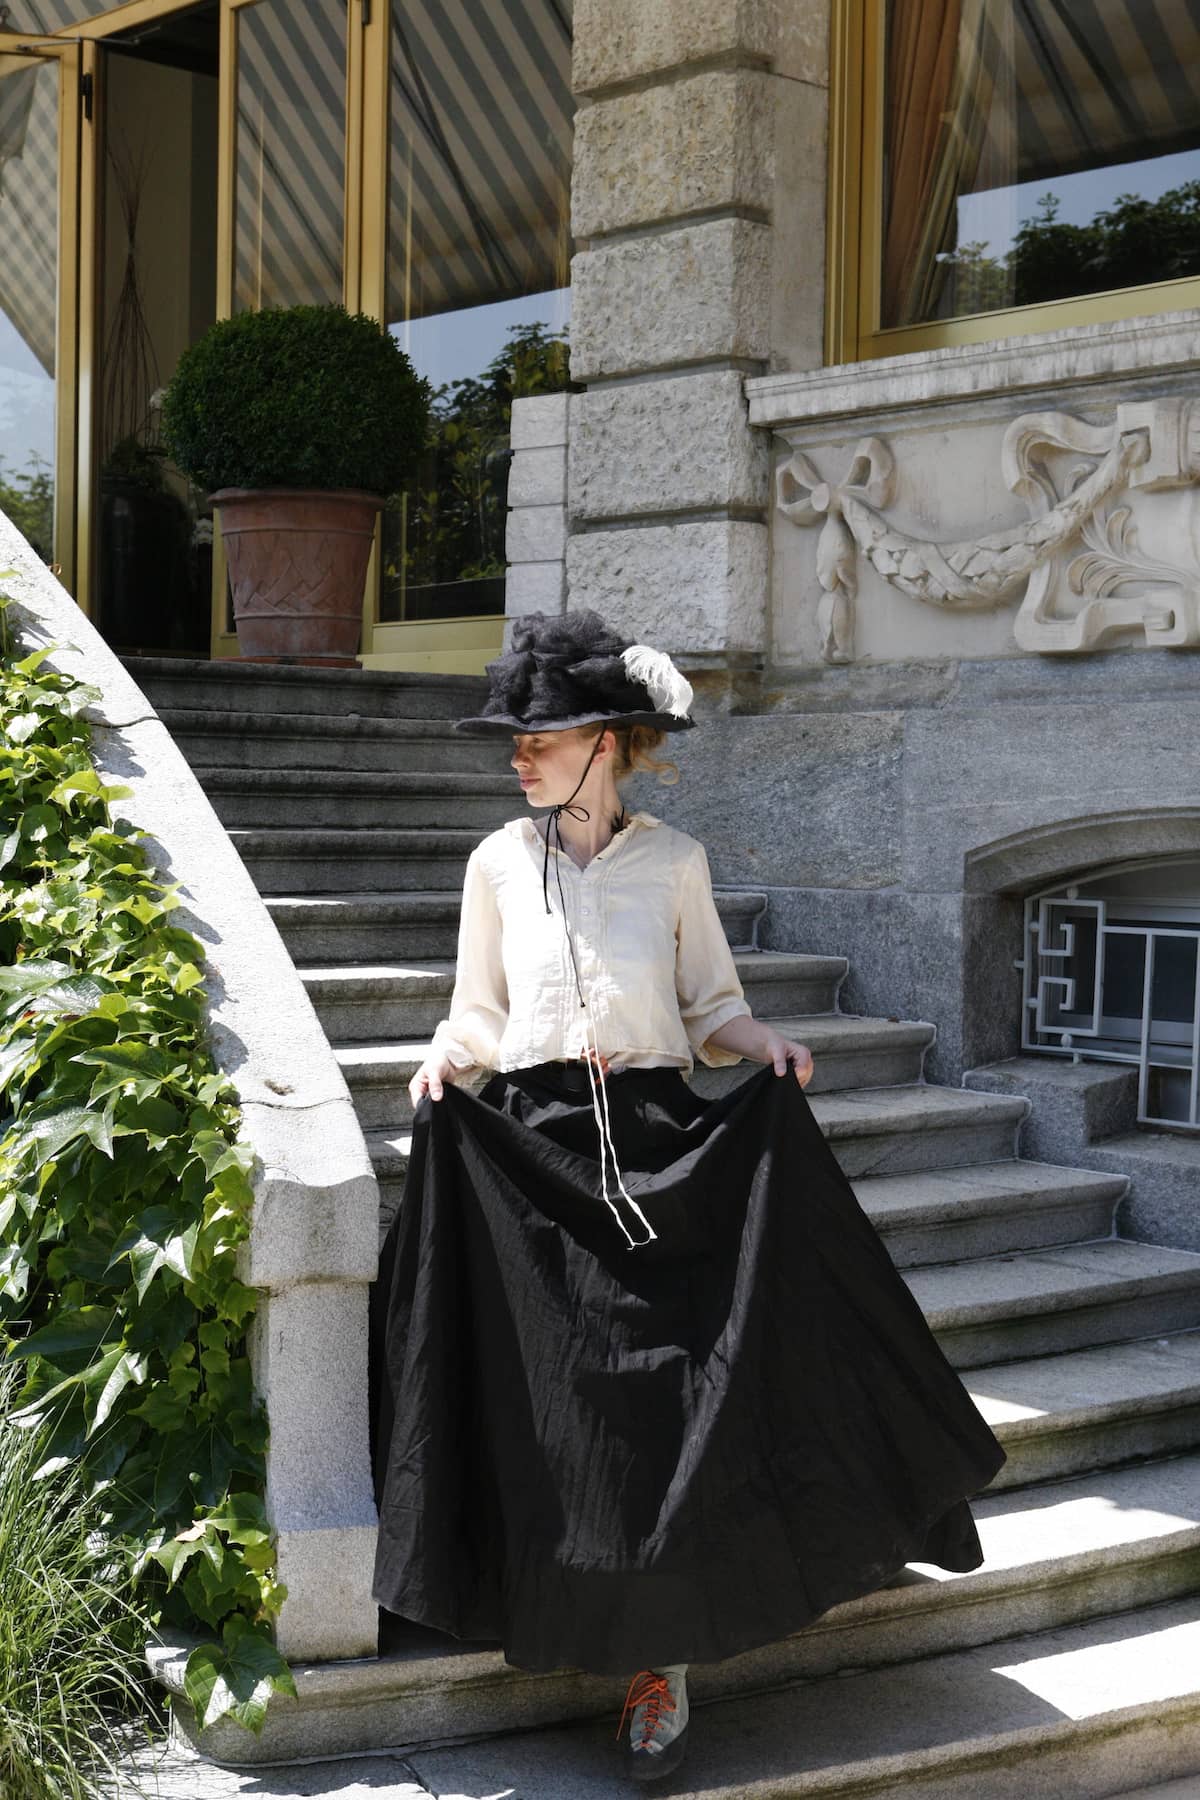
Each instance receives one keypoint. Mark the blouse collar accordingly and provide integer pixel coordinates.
(524, 826)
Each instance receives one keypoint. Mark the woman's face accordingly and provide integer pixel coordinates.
(549, 763)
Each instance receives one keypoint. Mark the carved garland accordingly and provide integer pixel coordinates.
(1150, 445)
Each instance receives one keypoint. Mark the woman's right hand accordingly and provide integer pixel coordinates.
(430, 1077)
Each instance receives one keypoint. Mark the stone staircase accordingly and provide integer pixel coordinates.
(1072, 1657)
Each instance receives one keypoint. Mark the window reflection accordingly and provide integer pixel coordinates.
(291, 131)
(28, 295)
(477, 275)
(1036, 151)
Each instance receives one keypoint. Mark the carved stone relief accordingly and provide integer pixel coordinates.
(1093, 492)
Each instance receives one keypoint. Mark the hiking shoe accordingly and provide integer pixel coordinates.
(658, 1729)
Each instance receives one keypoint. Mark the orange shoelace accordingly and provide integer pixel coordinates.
(652, 1691)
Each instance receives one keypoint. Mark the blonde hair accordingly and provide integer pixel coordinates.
(634, 752)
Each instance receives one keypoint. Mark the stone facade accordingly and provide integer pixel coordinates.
(697, 207)
(940, 609)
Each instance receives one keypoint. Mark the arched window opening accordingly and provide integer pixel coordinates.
(1110, 974)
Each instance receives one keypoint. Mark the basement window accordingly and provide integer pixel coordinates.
(1110, 969)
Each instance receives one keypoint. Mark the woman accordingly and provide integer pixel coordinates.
(649, 1390)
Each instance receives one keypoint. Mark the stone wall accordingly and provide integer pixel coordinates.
(698, 206)
(898, 816)
(940, 609)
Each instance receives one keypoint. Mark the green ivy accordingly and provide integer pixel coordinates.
(124, 1195)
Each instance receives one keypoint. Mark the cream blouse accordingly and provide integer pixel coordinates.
(654, 961)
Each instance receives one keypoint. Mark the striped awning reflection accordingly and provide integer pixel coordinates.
(479, 159)
(480, 163)
(1098, 82)
(291, 130)
(29, 175)
(29, 201)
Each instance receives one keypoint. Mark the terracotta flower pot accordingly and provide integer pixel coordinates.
(297, 561)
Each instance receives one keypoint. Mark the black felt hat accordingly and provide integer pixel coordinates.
(573, 669)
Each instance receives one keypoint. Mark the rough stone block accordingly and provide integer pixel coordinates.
(308, 1348)
(620, 40)
(1073, 1104)
(664, 153)
(534, 587)
(798, 209)
(329, 1612)
(536, 534)
(695, 293)
(539, 421)
(685, 588)
(538, 477)
(978, 777)
(664, 446)
(802, 41)
(780, 799)
(305, 1230)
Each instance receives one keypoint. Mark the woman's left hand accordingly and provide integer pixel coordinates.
(753, 1037)
(785, 1052)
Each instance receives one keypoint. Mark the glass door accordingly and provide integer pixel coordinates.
(43, 108)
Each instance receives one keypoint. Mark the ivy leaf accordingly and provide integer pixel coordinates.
(244, 1517)
(136, 1067)
(130, 1367)
(171, 1475)
(155, 1116)
(29, 665)
(175, 1555)
(49, 1136)
(237, 1676)
(95, 1375)
(152, 1243)
(162, 1409)
(82, 1328)
(24, 978)
(212, 1464)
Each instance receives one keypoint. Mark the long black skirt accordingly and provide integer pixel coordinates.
(608, 1459)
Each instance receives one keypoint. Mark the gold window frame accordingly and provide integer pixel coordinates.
(853, 332)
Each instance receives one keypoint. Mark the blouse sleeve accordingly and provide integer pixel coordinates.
(470, 1036)
(706, 978)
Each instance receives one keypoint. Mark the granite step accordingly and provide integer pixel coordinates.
(845, 1050)
(1058, 1560)
(1074, 1713)
(940, 1215)
(325, 860)
(356, 928)
(310, 741)
(359, 798)
(229, 684)
(1060, 1415)
(871, 1131)
(363, 1001)
(1033, 1302)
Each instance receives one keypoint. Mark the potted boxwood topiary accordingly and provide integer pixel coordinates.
(299, 421)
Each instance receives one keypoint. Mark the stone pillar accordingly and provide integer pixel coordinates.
(537, 499)
(698, 205)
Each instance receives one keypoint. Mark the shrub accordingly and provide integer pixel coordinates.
(301, 396)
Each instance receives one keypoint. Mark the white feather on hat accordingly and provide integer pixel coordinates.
(670, 691)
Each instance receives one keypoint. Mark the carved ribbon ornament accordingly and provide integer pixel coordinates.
(1150, 445)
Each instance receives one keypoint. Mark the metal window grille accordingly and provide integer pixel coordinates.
(1116, 981)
